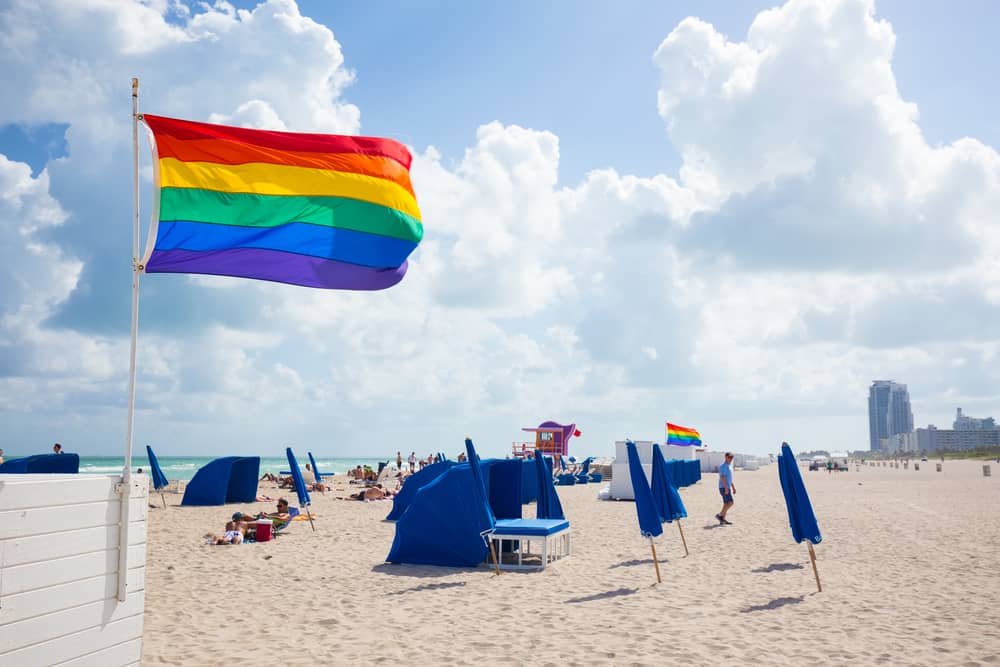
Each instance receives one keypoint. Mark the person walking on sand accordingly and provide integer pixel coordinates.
(412, 461)
(399, 461)
(726, 489)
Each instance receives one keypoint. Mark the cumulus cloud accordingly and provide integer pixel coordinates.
(811, 241)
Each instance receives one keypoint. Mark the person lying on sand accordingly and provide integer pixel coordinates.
(372, 493)
(235, 531)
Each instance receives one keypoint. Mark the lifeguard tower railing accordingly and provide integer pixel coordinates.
(550, 441)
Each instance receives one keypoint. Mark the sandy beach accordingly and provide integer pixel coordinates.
(908, 564)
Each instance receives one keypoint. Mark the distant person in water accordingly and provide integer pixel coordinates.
(57, 448)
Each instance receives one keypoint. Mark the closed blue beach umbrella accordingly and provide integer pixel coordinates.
(300, 484)
(548, 505)
(645, 507)
(668, 502)
(159, 479)
(800, 512)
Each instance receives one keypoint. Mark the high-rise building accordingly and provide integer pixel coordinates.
(889, 412)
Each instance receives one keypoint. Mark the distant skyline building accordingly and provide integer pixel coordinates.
(889, 412)
(933, 439)
(966, 423)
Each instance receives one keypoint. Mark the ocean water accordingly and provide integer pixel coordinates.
(184, 467)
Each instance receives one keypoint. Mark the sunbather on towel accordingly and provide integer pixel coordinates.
(372, 493)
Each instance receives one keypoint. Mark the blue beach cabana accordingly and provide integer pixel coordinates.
(230, 479)
(43, 463)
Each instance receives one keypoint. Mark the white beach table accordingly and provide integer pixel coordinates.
(553, 534)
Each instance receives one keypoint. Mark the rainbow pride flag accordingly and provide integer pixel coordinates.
(318, 210)
(682, 435)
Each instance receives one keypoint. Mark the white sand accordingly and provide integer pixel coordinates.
(908, 564)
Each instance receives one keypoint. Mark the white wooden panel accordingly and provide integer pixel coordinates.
(32, 521)
(128, 653)
(24, 491)
(22, 578)
(40, 629)
(19, 551)
(71, 646)
(40, 601)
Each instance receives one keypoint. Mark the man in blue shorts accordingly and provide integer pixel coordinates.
(726, 489)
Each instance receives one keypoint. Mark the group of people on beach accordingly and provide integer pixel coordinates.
(243, 525)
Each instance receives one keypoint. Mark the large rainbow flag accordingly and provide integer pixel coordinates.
(317, 210)
(682, 435)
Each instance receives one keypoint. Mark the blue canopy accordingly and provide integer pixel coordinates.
(645, 507)
(529, 481)
(159, 479)
(548, 506)
(504, 487)
(800, 512)
(230, 479)
(300, 484)
(413, 484)
(44, 463)
(446, 519)
(668, 502)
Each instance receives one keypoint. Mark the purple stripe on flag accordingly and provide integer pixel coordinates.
(279, 267)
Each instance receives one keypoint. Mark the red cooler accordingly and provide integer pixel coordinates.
(263, 532)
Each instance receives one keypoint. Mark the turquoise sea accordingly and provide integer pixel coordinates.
(184, 467)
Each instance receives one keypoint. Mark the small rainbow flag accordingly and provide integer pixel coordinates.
(682, 435)
(317, 210)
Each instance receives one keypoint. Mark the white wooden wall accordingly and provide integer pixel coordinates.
(59, 571)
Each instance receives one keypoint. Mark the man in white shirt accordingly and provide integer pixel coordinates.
(726, 489)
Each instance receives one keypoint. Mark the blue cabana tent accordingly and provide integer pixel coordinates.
(43, 463)
(447, 518)
(230, 479)
(159, 479)
(800, 512)
(413, 484)
(645, 506)
(529, 481)
(668, 502)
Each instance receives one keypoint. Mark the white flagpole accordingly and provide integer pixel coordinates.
(126, 482)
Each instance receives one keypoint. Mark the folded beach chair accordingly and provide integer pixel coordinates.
(583, 476)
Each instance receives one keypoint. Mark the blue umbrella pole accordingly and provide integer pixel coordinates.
(683, 541)
(164, 499)
(656, 563)
(812, 557)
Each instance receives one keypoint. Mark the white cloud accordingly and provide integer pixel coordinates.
(810, 242)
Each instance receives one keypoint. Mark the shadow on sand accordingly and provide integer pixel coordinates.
(607, 594)
(635, 562)
(779, 567)
(773, 604)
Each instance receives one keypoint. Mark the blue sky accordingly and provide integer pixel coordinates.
(631, 216)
